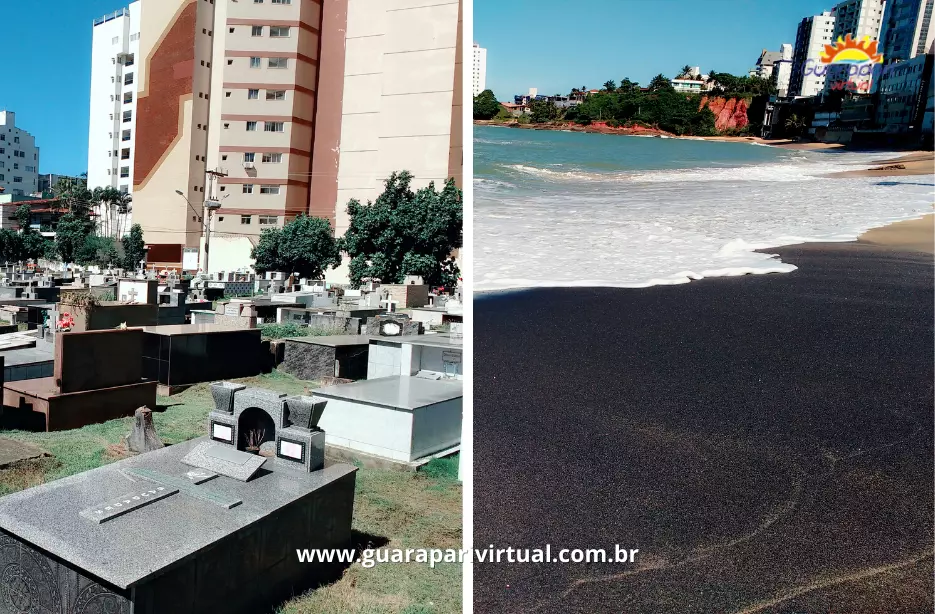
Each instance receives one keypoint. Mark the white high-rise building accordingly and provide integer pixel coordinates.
(810, 40)
(479, 72)
(112, 123)
(859, 18)
(782, 69)
(19, 158)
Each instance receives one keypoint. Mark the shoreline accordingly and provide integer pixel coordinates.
(909, 236)
(643, 131)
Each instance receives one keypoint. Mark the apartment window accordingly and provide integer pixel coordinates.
(278, 63)
(124, 171)
(254, 62)
(246, 219)
(279, 31)
(273, 127)
(30, 169)
(268, 220)
(115, 40)
(2, 150)
(258, 31)
(127, 116)
(2, 164)
(272, 158)
(1, 178)
(249, 156)
(127, 97)
(275, 94)
(227, 94)
(251, 126)
(16, 139)
(269, 189)
(280, 1)
(248, 188)
(230, 62)
(257, 1)
(125, 136)
(128, 78)
(129, 61)
(16, 166)
(224, 157)
(125, 153)
(17, 179)
(124, 189)
(253, 94)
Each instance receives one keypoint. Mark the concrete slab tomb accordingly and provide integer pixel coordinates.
(156, 534)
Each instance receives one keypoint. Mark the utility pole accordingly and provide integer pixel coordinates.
(212, 204)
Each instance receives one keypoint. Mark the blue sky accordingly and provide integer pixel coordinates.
(46, 76)
(555, 45)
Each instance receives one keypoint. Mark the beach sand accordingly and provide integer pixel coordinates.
(765, 441)
(910, 164)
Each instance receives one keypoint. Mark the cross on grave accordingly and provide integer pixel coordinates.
(390, 304)
(132, 294)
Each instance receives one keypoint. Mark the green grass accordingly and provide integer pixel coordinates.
(394, 508)
(283, 331)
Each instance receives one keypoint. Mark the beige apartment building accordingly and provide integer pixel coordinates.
(300, 105)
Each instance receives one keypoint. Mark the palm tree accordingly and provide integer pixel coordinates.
(610, 85)
(794, 125)
(686, 72)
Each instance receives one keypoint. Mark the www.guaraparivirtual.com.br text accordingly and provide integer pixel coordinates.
(433, 556)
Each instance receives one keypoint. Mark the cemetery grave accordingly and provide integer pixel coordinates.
(313, 358)
(97, 376)
(181, 355)
(391, 509)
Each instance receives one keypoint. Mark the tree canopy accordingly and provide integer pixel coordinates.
(133, 248)
(306, 246)
(405, 232)
(485, 105)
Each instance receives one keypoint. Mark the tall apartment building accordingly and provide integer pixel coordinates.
(112, 121)
(859, 18)
(906, 31)
(782, 70)
(810, 39)
(479, 71)
(300, 105)
(19, 158)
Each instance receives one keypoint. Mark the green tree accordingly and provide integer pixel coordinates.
(794, 125)
(686, 72)
(74, 195)
(70, 235)
(306, 246)
(404, 233)
(113, 205)
(610, 85)
(659, 83)
(133, 248)
(542, 111)
(485, 105)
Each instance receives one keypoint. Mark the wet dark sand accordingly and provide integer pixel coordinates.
(765, 441)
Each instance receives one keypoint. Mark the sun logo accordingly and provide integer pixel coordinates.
(849, 51)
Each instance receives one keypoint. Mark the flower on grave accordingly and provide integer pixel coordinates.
(65, 322)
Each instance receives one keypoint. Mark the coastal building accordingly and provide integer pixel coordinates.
(859, 18)
(690, 86)
(782, 70)
(115, 43)
(268, 110)
(479, 70)
(19, 158)
(811, 37)
(902, 95)
(906, 30)
(764, 64)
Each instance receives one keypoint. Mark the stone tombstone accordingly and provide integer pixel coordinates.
(290, 422)
(393, 325)
(143, 437)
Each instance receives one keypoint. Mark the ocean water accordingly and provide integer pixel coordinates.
(573, 209)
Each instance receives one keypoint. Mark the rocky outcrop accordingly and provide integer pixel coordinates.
(729, 113)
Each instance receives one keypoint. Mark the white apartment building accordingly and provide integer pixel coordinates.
(479, 70)
(19, 158)
(810, 40)
(859, 18)
(112, 123)
(782, 70)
